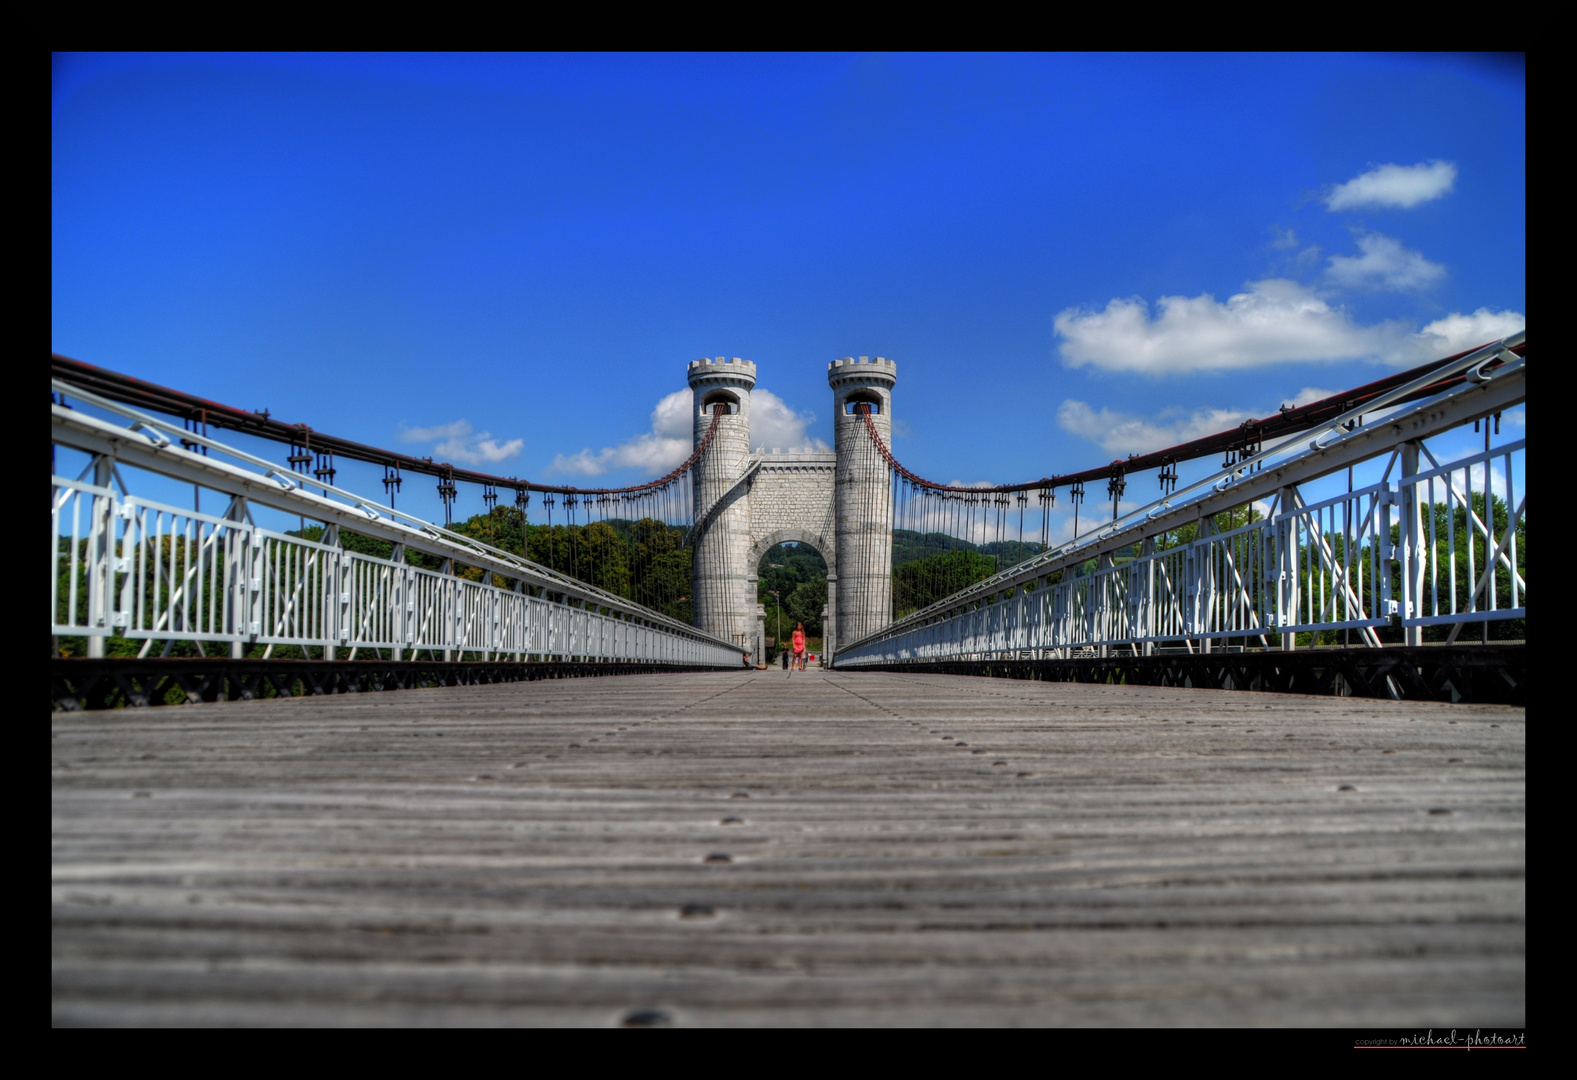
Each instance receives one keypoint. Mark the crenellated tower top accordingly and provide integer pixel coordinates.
(868, 379)
(866, 367)
(722, 371)
(724, 383)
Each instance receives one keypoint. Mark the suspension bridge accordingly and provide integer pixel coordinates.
(1210, 584)
(1258, 755)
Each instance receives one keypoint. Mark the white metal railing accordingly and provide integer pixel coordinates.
(146, 571)
(1415, 551)
(173, 574)
(1454, 578)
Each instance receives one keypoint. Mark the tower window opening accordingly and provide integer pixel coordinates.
(853, 401)
(727, 399)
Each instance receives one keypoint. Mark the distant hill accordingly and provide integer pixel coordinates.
(911, 546)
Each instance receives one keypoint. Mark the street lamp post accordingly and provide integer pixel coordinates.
(777, 627)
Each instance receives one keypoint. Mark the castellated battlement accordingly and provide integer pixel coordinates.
(878, 369)
(723, 369)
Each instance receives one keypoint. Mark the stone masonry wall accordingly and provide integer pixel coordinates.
(792, 494)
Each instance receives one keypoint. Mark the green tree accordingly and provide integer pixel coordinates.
(798, 574)
(923, 582)
(804, 605)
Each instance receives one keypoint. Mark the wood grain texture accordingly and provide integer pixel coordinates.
(923, 850)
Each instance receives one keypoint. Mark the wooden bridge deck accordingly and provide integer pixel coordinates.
(902, 849)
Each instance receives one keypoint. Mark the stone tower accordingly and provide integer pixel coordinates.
(862, 496)
(724, 602)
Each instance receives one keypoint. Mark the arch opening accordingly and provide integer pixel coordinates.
(726, 398)
(796, 572)
(862, 397)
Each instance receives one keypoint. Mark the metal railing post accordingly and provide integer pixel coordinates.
(449, 608)
(1205, 581)
(331, 609)
(101, 540)
(237, 549)
(1386, 500)
(255, 562)
(1412, 543)
(1287, 591)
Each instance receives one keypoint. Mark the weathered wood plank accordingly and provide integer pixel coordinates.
(908, 850)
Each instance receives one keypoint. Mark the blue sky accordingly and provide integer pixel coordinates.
(508, 261)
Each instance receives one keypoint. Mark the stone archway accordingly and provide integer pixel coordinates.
(823, 547)
(794, 536)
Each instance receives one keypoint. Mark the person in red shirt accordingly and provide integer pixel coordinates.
(798, 641)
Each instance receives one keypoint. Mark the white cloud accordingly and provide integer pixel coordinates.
(671, 438)
(457, 430)
(480, 450)
(1383, 265)
(1308, 395)
(657, 451)
(774, 423)
(1272, 321)
(1121, 434)
(1400, 186)
(1456, 333)
(460, 443)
